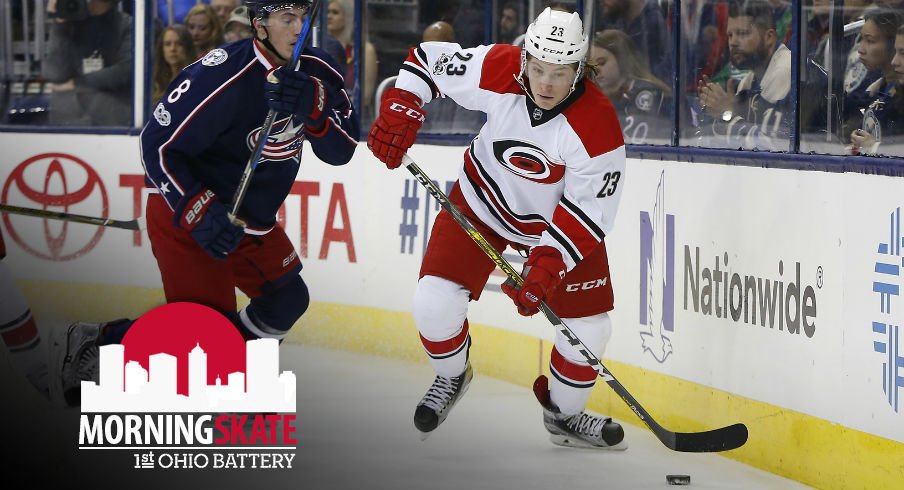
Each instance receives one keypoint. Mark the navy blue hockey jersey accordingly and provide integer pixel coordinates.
(204, 129)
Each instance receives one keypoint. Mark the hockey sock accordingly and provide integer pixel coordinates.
(449, 356)
(20, 334)
(570, 384)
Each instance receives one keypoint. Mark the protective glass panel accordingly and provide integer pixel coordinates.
(66, 63)
(735, 75)
(631, 58)
(850, 102)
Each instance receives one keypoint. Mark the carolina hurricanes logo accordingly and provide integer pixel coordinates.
(529, 161)
(283, 143)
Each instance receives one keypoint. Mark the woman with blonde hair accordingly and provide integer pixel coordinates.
(173, 52)
(205, 28)
(341, 23)
(642, 101)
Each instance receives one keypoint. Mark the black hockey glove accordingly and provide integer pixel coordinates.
(207, 219)
(296, 92)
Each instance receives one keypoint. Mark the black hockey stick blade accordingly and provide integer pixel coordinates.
(711, 441)
(135, 224)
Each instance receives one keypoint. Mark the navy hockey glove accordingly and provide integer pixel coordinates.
(207, 219)
(296, 92)
(396, 128)
(543, 272)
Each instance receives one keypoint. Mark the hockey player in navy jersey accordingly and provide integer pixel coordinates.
(545, 173)
(194, 150)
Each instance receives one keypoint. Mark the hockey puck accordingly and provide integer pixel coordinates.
(678, 479)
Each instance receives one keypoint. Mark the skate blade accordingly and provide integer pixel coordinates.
(423, 435)
(569, 441)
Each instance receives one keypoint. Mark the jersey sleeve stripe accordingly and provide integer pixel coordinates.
(563, 241)
(162, 151)
(431, 87)
(574, 230)
(583, 218)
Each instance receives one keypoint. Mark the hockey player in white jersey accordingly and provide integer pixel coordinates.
(544, 174)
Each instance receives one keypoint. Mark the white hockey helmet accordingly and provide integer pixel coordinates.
(557, 37)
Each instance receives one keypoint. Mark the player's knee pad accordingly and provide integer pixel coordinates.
(440, 307)
(273, 313)
(594, 331)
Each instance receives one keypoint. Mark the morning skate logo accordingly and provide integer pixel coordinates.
(657, 277)
(283, 143)
(885, 324)
(184, 390)
(54, 182)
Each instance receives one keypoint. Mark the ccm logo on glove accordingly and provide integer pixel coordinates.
(412, 113)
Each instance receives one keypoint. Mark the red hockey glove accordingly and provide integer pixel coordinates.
(543, 272)
(207, 219)
(396, 128)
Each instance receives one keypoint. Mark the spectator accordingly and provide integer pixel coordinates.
(643, 21)
(238, 26)
(884, 117)
(89, 64)
(857, 78)
(224, 9)
(439, 32)
(756, 114)
(205, 28)
(340, 24)
(174, 51)
(510, 24)
(641, 100)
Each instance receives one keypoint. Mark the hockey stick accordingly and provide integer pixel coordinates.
(722, 439)
(254, 159)
(135, 224)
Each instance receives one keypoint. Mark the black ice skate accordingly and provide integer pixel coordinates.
(443, 394)
(74, 358)
(579, 430)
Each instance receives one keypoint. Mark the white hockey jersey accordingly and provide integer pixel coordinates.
(536, 177)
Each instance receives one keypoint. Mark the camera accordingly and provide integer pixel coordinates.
(72, 9)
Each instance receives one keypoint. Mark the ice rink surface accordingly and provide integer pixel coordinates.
(355, 431)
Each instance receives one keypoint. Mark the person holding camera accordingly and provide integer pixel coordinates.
(89, 63)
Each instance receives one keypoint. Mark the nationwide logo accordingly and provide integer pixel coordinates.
(657, 277)
(184, 390)
(886, 322)
(712, 288)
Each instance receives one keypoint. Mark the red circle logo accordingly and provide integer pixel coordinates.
(56, 182)
(178, 328)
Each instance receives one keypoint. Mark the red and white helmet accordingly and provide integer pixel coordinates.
(556, 37)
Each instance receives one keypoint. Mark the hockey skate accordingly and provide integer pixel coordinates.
(443, 394)
(73, 359)
(579, 430)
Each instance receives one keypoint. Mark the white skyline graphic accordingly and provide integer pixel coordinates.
(128, 387)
